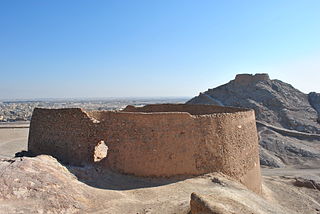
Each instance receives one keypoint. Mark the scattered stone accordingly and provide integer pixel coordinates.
(217, 181)
(308, 182)
(24, 153)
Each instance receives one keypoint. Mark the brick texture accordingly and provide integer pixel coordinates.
(154, 140)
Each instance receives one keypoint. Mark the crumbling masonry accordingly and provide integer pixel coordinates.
(154, 140)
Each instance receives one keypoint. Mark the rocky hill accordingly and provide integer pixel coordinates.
(277, 104)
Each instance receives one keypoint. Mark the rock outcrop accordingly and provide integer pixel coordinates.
(232, 200)
(39, 185)
(314, 99)
(278, 104)
(42, 185)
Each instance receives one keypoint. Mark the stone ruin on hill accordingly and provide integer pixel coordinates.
(247, 79)
(155, 140)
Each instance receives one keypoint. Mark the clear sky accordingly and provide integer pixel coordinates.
(82, 48)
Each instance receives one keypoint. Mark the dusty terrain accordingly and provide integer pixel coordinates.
(13, 140)
(43, 185)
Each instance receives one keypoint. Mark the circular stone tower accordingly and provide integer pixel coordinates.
(155, 140)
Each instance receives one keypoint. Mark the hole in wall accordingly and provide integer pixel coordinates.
(100, 151)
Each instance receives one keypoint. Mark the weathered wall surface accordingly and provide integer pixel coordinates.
(246, 79)
(155, 140)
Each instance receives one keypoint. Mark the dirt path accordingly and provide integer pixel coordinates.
(12, 140)
(290, 172)
(290, 133)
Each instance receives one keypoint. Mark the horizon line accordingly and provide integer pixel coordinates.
(93, 98)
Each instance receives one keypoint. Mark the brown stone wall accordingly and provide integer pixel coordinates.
(246, 79)
(155, 140)
(191, 109)
(66, 134)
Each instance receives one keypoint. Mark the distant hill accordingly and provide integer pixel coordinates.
(277, 104)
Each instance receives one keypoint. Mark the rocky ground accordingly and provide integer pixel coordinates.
(12, 140)
(42, 185)
(286, 117)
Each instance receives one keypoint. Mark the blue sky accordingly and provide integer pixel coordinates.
(63, 49)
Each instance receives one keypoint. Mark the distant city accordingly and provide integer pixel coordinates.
(19, 111)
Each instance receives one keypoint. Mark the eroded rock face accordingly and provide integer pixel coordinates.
(231, 198)
(39, 185)
(278, 104)
(312, 182)
(278, 150)
(314, 99)
(274, 101)
(226, 203)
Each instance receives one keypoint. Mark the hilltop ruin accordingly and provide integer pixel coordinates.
(154, 140)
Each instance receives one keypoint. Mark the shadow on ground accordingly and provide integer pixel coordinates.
(24, 153)
(99, 177)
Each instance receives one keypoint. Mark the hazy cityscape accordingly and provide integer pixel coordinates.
(18, 111)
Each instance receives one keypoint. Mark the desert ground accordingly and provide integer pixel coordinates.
(13, 138)
(286, 190)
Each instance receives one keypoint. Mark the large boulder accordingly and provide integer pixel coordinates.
(39, 185)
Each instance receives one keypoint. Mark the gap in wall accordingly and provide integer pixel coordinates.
(100, 151)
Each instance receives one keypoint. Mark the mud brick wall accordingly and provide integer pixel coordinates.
(154, 140)
(247, 79)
